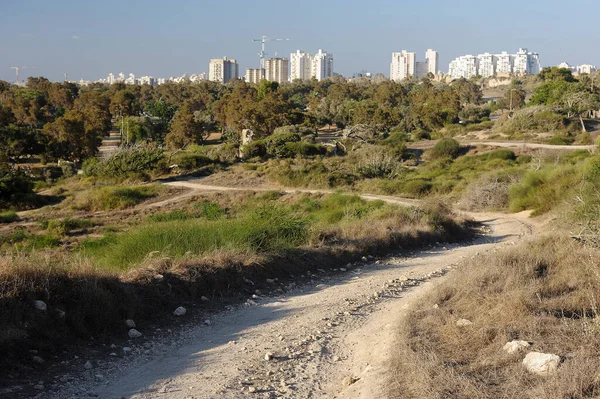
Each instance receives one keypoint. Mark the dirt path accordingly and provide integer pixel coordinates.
(309, 341)
(197, 186)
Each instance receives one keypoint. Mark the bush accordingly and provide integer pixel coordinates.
(8, 217)
(417, 188)
(531, 119)
(14, 185)
(302, 149)
(256, 148)
(126, 161)
(276, 144)
(61, 227)
(190, 161)
(561, 140)
(67, 169)
(503, 153)
(445, 148)
(420, 134)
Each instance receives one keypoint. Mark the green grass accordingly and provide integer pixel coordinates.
(22, 240)
(265, 229)
(116, 197)
(8, 216)
(63, 226)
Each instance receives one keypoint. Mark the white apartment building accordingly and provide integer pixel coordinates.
(300, 65)
(403, 66)
(322, 65)
(277, 69)
(504, 63)
(487, 65)
(432, 59)
(526, 62)
(254, 75)
(586, 68)
(223, 70)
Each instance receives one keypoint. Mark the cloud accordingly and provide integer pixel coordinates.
(75, 37)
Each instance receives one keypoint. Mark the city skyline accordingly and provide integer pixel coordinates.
(152, 38)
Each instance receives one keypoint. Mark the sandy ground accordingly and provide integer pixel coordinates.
(329, 337)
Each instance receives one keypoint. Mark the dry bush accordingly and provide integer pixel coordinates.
(487, 192)
(543, 292)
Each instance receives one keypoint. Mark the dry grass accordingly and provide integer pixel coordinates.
(543, 292)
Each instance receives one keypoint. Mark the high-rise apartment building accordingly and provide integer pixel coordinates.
(223, 70)
(300, 65)
(254, 75)
(526, 62)
(504, 63)
(322, 65)
(432, 58)
(487, 65)
(403, 65)
(277, 69)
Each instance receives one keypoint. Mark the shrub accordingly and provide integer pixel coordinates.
(445, 148)
(210, 210)
(417, 188)
(67, 169)
(378, 162)
(14, 185)
(276, 144)
(561, 140)
(502, 153)
(126, 161)
(8, 217)
(256, 148)
(420, 134)
(64, 226)
(302, 149)
(190, 161)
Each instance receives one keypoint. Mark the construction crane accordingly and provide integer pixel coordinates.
(16, 68)
(262, 53)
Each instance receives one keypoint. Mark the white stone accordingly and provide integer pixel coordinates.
(515, 346)
(40, 305)
(270, 281)
(88, 365)
(126, 349)
(464, 323)
(180, 311)
(207, 322)
(268, 356)
(541, 363)
(133, 333)
(38, 360)
(204, 299)
(130, 323)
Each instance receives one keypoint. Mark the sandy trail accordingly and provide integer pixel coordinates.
(330, 327)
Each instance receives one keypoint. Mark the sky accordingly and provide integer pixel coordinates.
(87, 39)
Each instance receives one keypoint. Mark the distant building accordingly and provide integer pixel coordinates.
(277, 69)
(586, 68)
(223, 70)
(403, 65)
(300, 65)
(254, 75)
(322, 65)
(432, 59)
(488, 65)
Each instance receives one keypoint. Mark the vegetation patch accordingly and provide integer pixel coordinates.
(543, 292)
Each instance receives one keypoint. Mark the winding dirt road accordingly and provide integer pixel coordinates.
(331, 336)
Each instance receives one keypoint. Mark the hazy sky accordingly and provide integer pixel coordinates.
(88, 38)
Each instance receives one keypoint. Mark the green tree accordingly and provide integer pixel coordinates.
(185, 129)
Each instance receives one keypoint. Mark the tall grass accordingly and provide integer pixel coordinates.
(266, 229)
(115, 197)
(8, 216)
